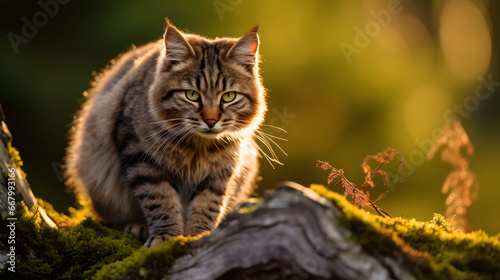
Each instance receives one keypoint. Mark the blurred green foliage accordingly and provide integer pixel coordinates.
(398, 87)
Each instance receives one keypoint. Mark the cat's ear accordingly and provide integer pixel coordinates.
(176, 46)
(245, 50)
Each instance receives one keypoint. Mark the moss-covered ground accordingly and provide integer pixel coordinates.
(70, 252)
(148, 263)
(83, 248)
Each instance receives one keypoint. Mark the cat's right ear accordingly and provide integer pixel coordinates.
(176, 46)
(245, 50)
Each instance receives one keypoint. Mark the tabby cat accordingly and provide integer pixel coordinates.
(164, 144)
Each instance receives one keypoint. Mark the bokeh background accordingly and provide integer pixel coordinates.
(345, 79)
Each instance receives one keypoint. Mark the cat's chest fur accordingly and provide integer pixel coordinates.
(195, 165)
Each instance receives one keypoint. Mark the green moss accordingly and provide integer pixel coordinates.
(148, 263)
(248, 207)
(435, 249)
(67, 253)
(247, 210)
(77, 214)
(16, 158)
(82, 247)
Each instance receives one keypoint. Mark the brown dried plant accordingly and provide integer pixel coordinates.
(461, 184)
(360, 197)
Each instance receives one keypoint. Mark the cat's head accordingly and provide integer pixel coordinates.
(208, 88)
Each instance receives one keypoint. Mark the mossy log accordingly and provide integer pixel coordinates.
(293, 234)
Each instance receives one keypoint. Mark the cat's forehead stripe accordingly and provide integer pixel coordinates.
(210, 67)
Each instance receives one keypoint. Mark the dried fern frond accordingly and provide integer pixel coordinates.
(461, 184)
(454, 139)
(384, 157)
(348, 188)
(359, 197)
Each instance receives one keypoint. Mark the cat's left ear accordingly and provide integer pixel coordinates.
(176, 46)
(245, 50)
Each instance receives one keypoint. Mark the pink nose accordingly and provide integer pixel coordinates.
(210, 122)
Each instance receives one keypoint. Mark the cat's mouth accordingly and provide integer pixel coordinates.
(209, 133)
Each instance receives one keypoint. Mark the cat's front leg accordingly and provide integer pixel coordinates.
(206, 207)
(162, 209)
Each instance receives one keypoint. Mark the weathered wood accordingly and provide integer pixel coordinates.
(23, 190)
(293, 233)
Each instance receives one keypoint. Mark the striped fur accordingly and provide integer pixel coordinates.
(155, 162)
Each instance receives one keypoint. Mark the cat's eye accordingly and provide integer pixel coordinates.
(229, 96)
(192, 95)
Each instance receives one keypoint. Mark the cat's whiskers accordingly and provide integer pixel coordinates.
(190, 136)
(267, 140)
(274, 127)
(273, 136)
(273, 155)
(170, 138)
(184, 134)
(165, 129)
(262, 153)
(263, 124)
(169, 120)
(165, 133)
(166, 143)
(180, 132)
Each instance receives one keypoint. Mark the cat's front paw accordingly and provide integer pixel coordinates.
(153, 241)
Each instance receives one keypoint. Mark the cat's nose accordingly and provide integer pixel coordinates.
(210, 122)
(210, 116)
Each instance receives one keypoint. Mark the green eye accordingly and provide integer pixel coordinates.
(229, 96)
(192, 95)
